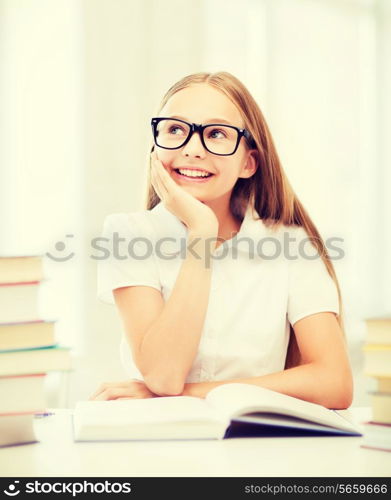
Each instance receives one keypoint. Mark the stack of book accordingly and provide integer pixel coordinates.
(377, 365)
(28, 349)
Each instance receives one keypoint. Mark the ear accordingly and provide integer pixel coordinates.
(250, 165)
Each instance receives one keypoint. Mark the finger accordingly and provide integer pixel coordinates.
(155, 184)
(165, 178)
(100, 389)
(152, 177)
(159, 181)
(161, 170)
(113, 393)
(107, 385)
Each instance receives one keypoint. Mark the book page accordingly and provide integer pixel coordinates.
(238, 399)
(149, 410)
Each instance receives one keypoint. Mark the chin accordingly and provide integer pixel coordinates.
(197, 196)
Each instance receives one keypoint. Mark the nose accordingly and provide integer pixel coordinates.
(194, 147)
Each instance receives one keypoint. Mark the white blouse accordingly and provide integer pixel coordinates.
(262, 280)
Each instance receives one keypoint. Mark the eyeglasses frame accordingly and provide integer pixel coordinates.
(194, 127)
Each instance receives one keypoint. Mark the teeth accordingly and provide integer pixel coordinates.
(193, 173)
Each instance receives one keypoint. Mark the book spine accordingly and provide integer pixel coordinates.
(22, 283)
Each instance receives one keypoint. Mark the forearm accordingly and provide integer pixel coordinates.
(171, 343)
(310, 382)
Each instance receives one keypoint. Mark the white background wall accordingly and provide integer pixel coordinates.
(79, 81)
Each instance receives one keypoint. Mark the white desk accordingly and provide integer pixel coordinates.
(57, 455)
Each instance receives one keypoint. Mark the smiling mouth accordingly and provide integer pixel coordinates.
(192, 174)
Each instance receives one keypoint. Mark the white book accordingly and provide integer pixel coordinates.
(29, 361)
(377, 436)
(21, 268)
(17, 429)
(186, 417)
(26, 335)
(22, 394)
(19, 302)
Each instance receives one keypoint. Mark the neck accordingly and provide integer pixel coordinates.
(228, 224)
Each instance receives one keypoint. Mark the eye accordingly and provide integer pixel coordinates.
(217, 133)
(176, 130)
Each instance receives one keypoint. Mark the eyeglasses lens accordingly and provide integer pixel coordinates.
(220, 139)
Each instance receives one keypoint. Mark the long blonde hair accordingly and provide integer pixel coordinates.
(268, 189)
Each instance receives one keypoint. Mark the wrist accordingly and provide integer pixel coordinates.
(204, 232)
(201, 246)
(199, 389)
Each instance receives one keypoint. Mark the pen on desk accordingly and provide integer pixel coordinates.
(43, 414)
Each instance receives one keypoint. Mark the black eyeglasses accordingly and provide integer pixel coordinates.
(217, 138)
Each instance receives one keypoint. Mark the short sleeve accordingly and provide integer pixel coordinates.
(311, 288)
(126, 255)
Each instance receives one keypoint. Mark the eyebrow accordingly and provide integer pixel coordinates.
(210, 120)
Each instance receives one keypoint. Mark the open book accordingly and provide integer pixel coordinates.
(226, 408)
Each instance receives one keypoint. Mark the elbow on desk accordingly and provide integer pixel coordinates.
(339, 402)
(162, 386)
(341, 393)
(162, 382)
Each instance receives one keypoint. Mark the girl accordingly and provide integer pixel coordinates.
(252, 296)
